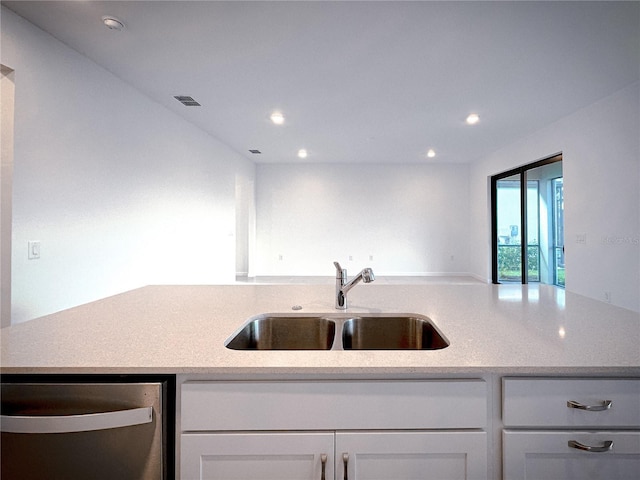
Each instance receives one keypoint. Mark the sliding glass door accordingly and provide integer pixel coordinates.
(527, 224)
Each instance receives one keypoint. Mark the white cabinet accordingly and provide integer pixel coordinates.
(411, 455)
(373, 429)
(543, 402)
(547, 455)
(257, 456)
(571, 429)
(329, 455)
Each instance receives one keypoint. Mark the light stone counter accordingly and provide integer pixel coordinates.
(506, 329)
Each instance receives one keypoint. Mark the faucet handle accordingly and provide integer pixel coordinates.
(338, 267)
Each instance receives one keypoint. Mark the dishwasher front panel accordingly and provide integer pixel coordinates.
(82, 431)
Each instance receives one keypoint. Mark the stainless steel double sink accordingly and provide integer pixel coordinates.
(338, 332)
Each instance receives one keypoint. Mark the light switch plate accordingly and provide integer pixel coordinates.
(34, 249)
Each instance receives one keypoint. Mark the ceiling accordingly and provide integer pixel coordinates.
(375, 82)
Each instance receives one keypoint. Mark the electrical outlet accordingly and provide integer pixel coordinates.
(371, 258)
(350, 258)
(581, 238)
(280, 257)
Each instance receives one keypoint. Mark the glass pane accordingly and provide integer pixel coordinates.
(540, 208)
(509, 229)
(558, 227)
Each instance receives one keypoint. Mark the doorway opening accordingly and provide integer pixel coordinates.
(527, 228)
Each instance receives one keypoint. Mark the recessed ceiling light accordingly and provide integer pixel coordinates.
(473, 118)
(431, 153)
(277, 118)
(302, 153)
(112, 23)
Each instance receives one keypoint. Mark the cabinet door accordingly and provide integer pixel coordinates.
(411, 455)
(547, 455)
(256, 456)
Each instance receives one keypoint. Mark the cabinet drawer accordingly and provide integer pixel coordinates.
(598, 403)
(331, 405)
(547, 455)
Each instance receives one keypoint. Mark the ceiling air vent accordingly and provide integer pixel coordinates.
(187, 101)
(255, 152)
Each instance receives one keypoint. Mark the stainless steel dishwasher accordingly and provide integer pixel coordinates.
(85, 430)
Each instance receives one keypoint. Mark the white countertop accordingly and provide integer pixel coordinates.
(515, 329)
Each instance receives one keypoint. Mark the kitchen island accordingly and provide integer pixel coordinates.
(453, 410)
(515, 329)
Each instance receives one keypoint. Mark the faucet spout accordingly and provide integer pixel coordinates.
(343, 286)
(366, 275)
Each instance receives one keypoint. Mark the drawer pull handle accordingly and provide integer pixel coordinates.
(606, 405)
(606, 446)
(323, 461)
(345, 460)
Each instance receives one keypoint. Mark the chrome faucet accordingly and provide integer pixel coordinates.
(342, 286)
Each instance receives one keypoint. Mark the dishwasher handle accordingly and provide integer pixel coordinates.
(76, 423)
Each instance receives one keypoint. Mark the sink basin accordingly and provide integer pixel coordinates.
(391, 333)
(285, 333)
(338, 332)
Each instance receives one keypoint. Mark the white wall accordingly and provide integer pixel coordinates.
(413, 219)
(245, 223)
(601, 166)
(119, 191)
